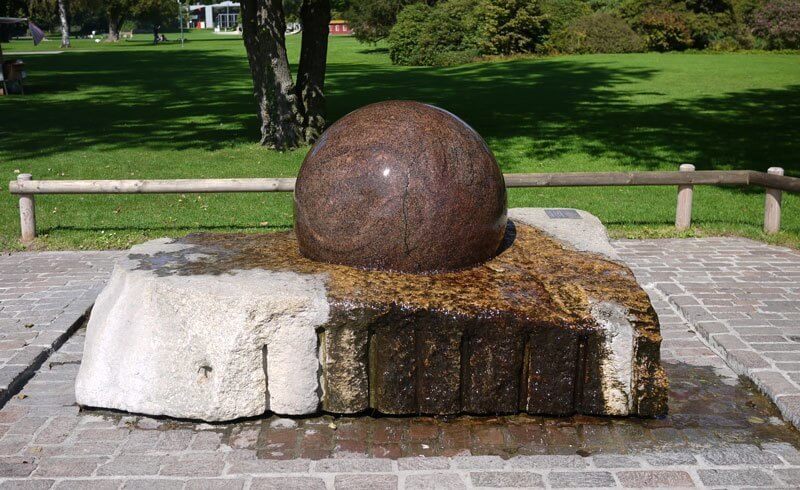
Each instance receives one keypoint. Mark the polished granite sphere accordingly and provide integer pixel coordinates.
(400, 186)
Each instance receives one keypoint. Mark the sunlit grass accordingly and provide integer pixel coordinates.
(133, 110)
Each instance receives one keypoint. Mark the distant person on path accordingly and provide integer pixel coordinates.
(156, 37)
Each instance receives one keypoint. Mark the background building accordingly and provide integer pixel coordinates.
(340, 28)
(225, 16)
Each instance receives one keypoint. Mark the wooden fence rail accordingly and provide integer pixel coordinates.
(773, 181)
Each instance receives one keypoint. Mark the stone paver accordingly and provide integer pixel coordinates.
(43, 296)
(740, 296)
(716, 434)
(720, 432)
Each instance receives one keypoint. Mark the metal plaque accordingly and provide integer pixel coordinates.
(562, 214)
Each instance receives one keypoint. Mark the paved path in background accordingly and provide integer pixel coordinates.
(11, 54)
(742, 297)
(42, 297)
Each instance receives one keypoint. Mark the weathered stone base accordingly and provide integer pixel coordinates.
(217, 327)
(397, 361)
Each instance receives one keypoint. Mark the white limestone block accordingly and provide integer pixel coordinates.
(210, 347)
(616, 367)
(585, 234)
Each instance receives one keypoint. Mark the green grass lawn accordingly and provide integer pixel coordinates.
(133, 110)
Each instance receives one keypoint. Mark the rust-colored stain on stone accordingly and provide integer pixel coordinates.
(401, 186)
(534, 277)
(514, 334)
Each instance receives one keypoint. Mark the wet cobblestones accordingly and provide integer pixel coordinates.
(741, 297)
(720, 431)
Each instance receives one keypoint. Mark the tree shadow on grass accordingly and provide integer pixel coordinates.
(149, 99)
(202, 99)
(194, 98)
(754, 130)
(374, 50)
(562, 105)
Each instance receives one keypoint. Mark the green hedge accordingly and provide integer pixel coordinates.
(458, 31)
(597, 33)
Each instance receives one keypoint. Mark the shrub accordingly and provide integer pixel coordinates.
(703, 28)
(744, 10)
(453, 58)
(442, 35)
(511, 26)
(680, 24)
(371, 20)
(709, 6)
(728, 44)
(564, 12)
(597, 33)
(606, 5)
(450, 28)
(404, 36)
(778, 23)
(664, 30)
(449, 32)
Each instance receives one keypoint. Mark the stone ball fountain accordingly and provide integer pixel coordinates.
(405, 288)
(400, 186)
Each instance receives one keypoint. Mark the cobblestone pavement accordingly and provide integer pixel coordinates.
(742, 297)
(42, 297)
(721, 432)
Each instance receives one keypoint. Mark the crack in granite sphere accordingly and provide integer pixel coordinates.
(400, 186)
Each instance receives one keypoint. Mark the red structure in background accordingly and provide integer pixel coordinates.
(339, 28)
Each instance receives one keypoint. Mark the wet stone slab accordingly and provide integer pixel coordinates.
(710, 417)
(706, 414)
(540, 329)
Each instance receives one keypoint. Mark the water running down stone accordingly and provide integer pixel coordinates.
(532, 315)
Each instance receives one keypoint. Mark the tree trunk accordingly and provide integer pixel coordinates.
(264, 32)
(63, 14)
(114, 24)
(5, 33)
(315, 15)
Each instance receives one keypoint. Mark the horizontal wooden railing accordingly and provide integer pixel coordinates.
(701, 177)
(563, 179)
(773, 181)
(182, 186)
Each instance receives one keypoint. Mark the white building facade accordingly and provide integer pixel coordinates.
(223, 15)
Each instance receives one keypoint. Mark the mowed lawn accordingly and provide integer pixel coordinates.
(136, 111)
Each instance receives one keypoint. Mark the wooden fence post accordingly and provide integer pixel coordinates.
(772, 205)
(27, 213)
(683, 213)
